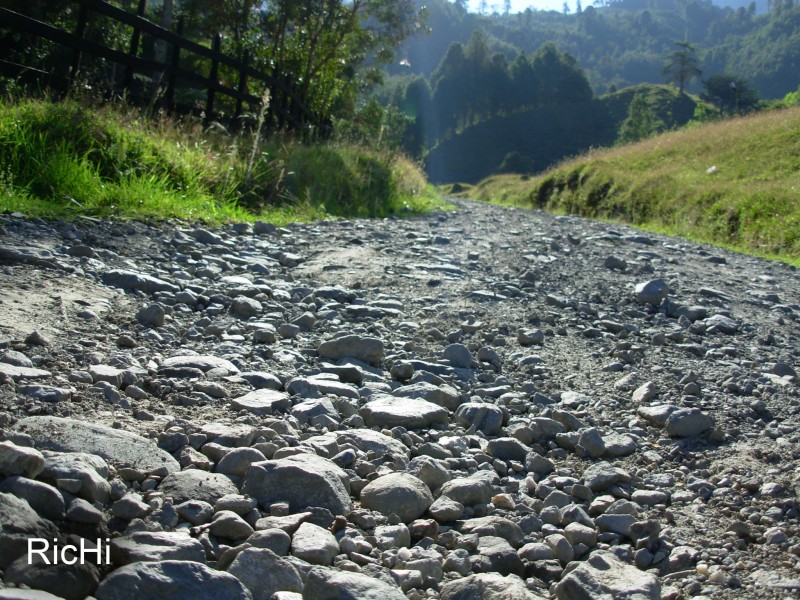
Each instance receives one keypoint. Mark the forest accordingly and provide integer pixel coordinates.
(486, 93)
(470, 94)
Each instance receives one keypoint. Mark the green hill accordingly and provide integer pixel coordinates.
(540, 137)
(734, 183)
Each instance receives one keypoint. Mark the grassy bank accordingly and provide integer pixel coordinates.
(61, 160)
(734, 183)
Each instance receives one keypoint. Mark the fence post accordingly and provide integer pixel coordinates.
(212, 77)
(242, 87)
(134, 48)
(169, 98)
(80, 31)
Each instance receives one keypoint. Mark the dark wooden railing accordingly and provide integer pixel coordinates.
(286, 109)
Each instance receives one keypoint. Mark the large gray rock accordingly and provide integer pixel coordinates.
(443, 395)
(263, 573)
(314, 544)
(367, 349)
(686, 422)
(303, 480)
(497, 555)
(70, 582)
(203, 362)
(19, 523)
(19, 460)
(155, 546)
(173, 580)
(475, 489)
(486, 418)
(16, 373)
(605, 577)
(368, 440)
(118, 447)
(388, 411)
(88, 470)
(44, 499)
(651, 292)
(324, 583)
(194, 484)
(400, 493)
(263, 402)
(131, 281)
(488, 586)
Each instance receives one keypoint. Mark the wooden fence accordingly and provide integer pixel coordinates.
(286, 110)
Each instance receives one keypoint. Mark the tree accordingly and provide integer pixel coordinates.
(731, 95)
(640, 123)
(681, 66)
(321, 44)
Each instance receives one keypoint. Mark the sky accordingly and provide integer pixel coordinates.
(520, 5)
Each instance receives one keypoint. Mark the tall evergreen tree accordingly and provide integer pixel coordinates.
(682, 66)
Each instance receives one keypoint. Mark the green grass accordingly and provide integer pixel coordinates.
(750, 202)
(62, 160)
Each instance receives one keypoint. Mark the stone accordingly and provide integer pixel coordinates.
(20, 460)
(236, 462)
(687, 422)
(156, 546)
(446, 510)
(644, 393)
(397, 493)
(264, 573)
(652, 292)
(605, 577)
(333, 584)
(80, 511)
(469, 491)
(507, 448)
(131, 281)
(173, 579)
(204, 363)
(196, 512)
(18, 523)
(194, 484)
(230, 526)
(15, 373)
(388, 411)
(602, 475)
(314, 544)
(151, 316)
(68, 582)
(443, 395)
(245, 308)
(486, 418)
(130, 507)
(367, 349)
(44, 499)
(263, 402)
(489, 586)
(303, 480)
(497, 526)
(118, 447)
(459, 356)
(500, 556)
(87, 473)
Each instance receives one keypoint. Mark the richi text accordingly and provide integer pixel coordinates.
(52, 553)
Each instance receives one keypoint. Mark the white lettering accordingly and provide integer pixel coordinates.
(97, 551)
(40, 552)
(65, 557)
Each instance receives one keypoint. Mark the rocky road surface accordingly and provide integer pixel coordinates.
(482, 404)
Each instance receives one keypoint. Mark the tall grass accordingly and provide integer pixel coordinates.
(66, 159)
(734, 183)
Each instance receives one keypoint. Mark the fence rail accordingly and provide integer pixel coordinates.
(286, 109)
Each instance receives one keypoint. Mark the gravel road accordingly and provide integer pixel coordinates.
(487, 403)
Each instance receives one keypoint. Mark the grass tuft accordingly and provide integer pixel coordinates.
(62, 160)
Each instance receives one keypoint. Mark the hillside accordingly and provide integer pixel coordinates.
(733, 183)
(540, 137)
